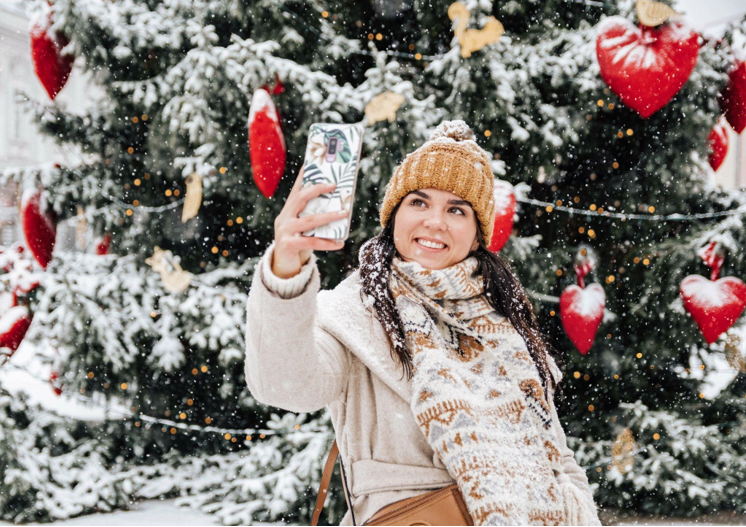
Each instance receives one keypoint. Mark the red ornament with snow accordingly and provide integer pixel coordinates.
(582, 309)
(714, 304)
(13, 326)
(102, 246)
(504, 212)
(733, 101)
(55, 382)
(718, 142)
(645, 66)
(39, 228)
(52, 68)
(278, 87)
(266, 143)
(16, 262)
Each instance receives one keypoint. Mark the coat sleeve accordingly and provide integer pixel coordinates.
(291, 363)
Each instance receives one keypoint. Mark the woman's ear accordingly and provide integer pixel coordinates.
(475, 245)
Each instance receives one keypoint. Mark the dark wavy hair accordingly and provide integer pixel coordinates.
(504, 293)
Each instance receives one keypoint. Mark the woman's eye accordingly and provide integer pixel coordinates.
(415, 200)
(460, 211)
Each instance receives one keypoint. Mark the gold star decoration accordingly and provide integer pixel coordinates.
(733, 352)
(80, 229)
(383, 106)
(175, 279)
(193, 198)
(472, 40)
(624, 444)
(652, 14)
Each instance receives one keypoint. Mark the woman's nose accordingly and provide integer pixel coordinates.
(435, 220)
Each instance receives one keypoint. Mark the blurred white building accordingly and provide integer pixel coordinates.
(20, 142)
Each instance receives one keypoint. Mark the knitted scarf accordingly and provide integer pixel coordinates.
(478, 399)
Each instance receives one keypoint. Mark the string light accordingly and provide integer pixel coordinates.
(631, 216)
(263, 433)
(128, 414)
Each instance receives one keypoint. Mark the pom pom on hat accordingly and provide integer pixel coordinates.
(457, 130)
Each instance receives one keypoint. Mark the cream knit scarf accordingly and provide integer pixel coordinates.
(478, 399)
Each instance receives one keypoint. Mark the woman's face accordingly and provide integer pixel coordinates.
(439, 217)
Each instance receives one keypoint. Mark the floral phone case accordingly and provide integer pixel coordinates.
(332, 156)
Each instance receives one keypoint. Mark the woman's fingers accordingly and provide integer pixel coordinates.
(306, 223)
(301, 243)
(300, 200)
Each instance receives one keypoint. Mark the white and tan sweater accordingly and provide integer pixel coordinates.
(308, 348)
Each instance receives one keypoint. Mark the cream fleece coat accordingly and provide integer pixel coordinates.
(307, 349)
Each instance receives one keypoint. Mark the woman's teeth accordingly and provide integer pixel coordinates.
(431, 245)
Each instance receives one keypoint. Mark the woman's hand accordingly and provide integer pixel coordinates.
(292, 249)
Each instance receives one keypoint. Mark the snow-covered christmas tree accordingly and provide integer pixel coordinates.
(599, 117)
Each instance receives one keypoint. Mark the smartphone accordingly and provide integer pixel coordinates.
(332, 156)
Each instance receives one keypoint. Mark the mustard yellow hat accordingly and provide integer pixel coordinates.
(449, 160)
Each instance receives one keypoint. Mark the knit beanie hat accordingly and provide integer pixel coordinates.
(449, 160)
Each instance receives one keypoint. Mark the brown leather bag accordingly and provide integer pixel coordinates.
(443, 506)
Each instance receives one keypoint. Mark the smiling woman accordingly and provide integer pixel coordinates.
(428, 355)
(435, 228)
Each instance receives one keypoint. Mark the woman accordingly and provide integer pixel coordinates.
(428, 355)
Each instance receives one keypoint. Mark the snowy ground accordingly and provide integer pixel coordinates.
(625, 518)
(156, 512)
(152, 512)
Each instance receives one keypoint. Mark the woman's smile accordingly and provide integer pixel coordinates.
(430, 244)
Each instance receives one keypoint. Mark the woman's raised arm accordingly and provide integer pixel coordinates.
(290, 362)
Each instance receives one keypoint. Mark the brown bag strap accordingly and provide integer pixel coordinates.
(326, 476)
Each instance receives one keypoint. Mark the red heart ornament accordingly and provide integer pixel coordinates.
(718, 141)
(50, 66)
(39, 228)
(714, 305)
(504, 212)
(645, 66)
(13, 326)
(733, 102)
(54, 380)
(266, 143)
(582, 311)
(102, 247)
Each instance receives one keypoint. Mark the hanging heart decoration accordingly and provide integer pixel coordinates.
(505, 204)
(733, 100)
(718, 142)
(582, 309)
(716, 303)
(51, 67)
(266, 143)
(645, 66)
(39, 228)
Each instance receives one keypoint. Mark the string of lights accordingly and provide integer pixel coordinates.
(413, 56)
(617, 459)
(152, 420)
(232, 433)
(143, 208)
(549, 207)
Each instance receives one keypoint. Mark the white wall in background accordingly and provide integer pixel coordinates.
(20, 142)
